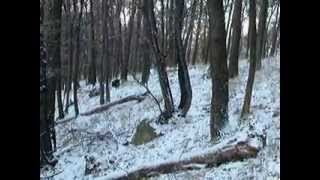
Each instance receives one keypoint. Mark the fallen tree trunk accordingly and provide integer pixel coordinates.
(235, 152)
(102, 108)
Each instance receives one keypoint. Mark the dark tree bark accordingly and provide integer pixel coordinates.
(170, 34)
(252, 68)
(49, 75)
(118, 40)
(152, 34)
(77, 58)
(190, 27)
(183, 74)
(236, 36)
(101, 54)
(274, 5)
(105, 49)
(124, 68)
(276, 26)
(70, 21)
(261, 31)
(219, 73)
(118, 45)
(137, 49)
(206, 38)
(147, 59)
(195, 51)
(53, 38)
(188, 50)
(229, 26)
(57, 53)
(46, 130)
(248, 35)
(92, 51)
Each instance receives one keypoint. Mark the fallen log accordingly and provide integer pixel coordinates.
(102, 108)
(235, 152)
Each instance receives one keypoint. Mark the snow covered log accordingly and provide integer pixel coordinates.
(228, 153)
(102, 108)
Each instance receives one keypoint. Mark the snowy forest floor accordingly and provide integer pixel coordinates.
(101, 137)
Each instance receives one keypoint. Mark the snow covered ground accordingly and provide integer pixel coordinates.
(102, 137)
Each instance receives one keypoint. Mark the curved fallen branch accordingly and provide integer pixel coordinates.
(102, 108)
(235, 152)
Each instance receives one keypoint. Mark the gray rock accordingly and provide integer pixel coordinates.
(144, 133)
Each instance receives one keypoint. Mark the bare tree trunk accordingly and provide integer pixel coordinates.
(219, 73)
(57, 54)
(195, 51)
(261, 31)
(146, 55)
(50, 64)
(124, 71)
(190, 27)
(205, 42)
(248, 36)
(152, 34)
(208, 44)
(105, 49)
(77, 58)
(171, 43)
(252, 68)
(236, 36)
(137, 49)
(274, 34)
(70, 48)
(183, 74)
(119, 37)
(229, 26)
(92, 51)
(188, 51)
(265, 45)
(45, 129)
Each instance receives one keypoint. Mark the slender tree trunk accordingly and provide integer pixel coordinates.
(265, 44)
(171, 46)
(236, 36)
(53, 35)
(183, 74)
(92, 51)
(208, 42)
(137, 49)
(248, 38)
(195, 51)
(188, 52)
(219, 73)
(152, 34)
(124, 71)
(190, 27)
(45, 129)
(70, 49)
(105, 50)
(261, 31)
(252, 68)
(274, 34)
(146, 56)
(119, 37)
(57, 54)
(229, 25)
(77, 59)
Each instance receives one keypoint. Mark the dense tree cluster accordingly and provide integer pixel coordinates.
(99, 41)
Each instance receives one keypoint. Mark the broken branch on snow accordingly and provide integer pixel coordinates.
(102, 108)
(234, 152)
